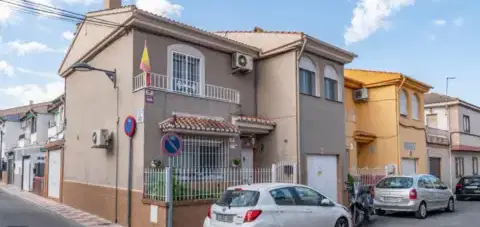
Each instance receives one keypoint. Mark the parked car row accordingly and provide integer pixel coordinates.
(282, 205)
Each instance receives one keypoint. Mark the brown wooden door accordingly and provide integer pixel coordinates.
(435, 167)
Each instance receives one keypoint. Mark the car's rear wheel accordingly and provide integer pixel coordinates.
(451, 205)
(341, 222)
(421, 213)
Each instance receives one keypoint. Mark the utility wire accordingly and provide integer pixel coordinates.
(29, 7)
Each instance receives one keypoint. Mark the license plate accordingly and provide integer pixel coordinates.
(225, 218)
(391, 199)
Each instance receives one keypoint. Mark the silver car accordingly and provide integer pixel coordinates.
(415, 193)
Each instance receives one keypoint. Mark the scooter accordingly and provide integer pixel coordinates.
(361, 203)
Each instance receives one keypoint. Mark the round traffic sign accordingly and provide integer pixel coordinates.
(172, 144)
(129, 126)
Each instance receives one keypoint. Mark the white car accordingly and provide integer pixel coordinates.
(276, 205)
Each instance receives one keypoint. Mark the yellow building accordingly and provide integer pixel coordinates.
(385, 121)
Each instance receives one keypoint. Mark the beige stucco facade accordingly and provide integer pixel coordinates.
(304, 125)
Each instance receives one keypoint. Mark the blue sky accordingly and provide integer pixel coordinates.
(426, 39)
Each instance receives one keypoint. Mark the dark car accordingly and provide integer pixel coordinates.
(468, 187)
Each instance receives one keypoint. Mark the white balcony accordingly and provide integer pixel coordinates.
(186, 87)
(437, 136)
(55, 133)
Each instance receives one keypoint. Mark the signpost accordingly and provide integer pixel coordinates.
(129, 126)
(172, 144)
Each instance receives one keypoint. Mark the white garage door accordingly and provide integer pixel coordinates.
(322, 174)
(54, 164)
(409, 166)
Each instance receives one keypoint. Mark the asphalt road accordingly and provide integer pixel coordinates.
(15, 212)
(466, 214)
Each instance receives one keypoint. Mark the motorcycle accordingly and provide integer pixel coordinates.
(361, 203)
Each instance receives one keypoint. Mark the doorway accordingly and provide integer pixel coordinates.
(435, 167)
(26, 173)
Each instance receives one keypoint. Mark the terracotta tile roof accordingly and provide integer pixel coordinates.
(275, 32)
(197, 124)
(433, 97)
(24, 109)
(257, 120)
(178, 23)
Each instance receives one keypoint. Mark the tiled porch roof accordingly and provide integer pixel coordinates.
(194, 123)
(257, 120)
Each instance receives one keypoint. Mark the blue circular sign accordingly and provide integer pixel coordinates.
(172, 144)
(129, 126)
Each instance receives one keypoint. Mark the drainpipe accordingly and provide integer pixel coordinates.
(398, 123)
(116, 158)
(299, 153)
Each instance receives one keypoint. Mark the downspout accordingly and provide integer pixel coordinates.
(398, 122)
(299, 153)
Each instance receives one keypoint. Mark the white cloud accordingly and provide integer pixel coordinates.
(23, 48)
(160, 7)
(68, 35)
(458, 21)
(440, 22)
(34, 92)
(371, 15)
(6, 68)
(41, 74)
(5, 12)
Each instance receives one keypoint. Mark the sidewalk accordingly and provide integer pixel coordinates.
(70, 213)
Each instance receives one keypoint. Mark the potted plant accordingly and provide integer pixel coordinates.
(236, 162)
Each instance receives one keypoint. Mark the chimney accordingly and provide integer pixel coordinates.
(31, 102)
(113, 4)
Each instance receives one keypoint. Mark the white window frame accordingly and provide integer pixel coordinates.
(403, 103)
(414, 102)
(466, 123)
(331, 73)
(187, 51)
(308, 64)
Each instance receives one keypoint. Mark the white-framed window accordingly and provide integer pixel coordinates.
(459, 167)
(332, 82)
(415, 107)
(202, 152)
(466, 123)
(186, 69)
(432, 120)
(403, 103)
(307, 76)
(475, 165)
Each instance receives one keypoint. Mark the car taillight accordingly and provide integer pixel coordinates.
(459, 186)
(209, 215)
(251, 215)
(413, 194)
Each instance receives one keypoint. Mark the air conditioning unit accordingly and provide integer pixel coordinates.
(242, 62)
(27, 136)
(100, 138)
(360, 94)
(24, 124)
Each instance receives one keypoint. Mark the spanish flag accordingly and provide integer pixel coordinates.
(145, 64)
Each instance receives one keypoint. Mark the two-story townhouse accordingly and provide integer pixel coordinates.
(300, 87)
(459, 118)
(192, 90)
(29, 152)
(11, 119)
(384, 121)
(53, 172)
(9, 132)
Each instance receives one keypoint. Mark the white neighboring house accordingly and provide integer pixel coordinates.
(29, 153)
(9, 132)
(54, 148)
(461, 120)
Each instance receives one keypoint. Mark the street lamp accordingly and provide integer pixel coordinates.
(85, 67)
(447, 112)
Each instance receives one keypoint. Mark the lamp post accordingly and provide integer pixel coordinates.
(85, 67)
(447, 113)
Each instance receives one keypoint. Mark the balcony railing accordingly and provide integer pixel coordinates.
(185, 87)
(437, 136)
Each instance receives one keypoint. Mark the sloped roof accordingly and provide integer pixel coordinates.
(193, 123)
(40, 107)
(432, 98)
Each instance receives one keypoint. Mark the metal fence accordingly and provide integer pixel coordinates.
(368, 176)
(208, 183)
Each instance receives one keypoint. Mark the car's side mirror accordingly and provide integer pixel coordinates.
(325, 202)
